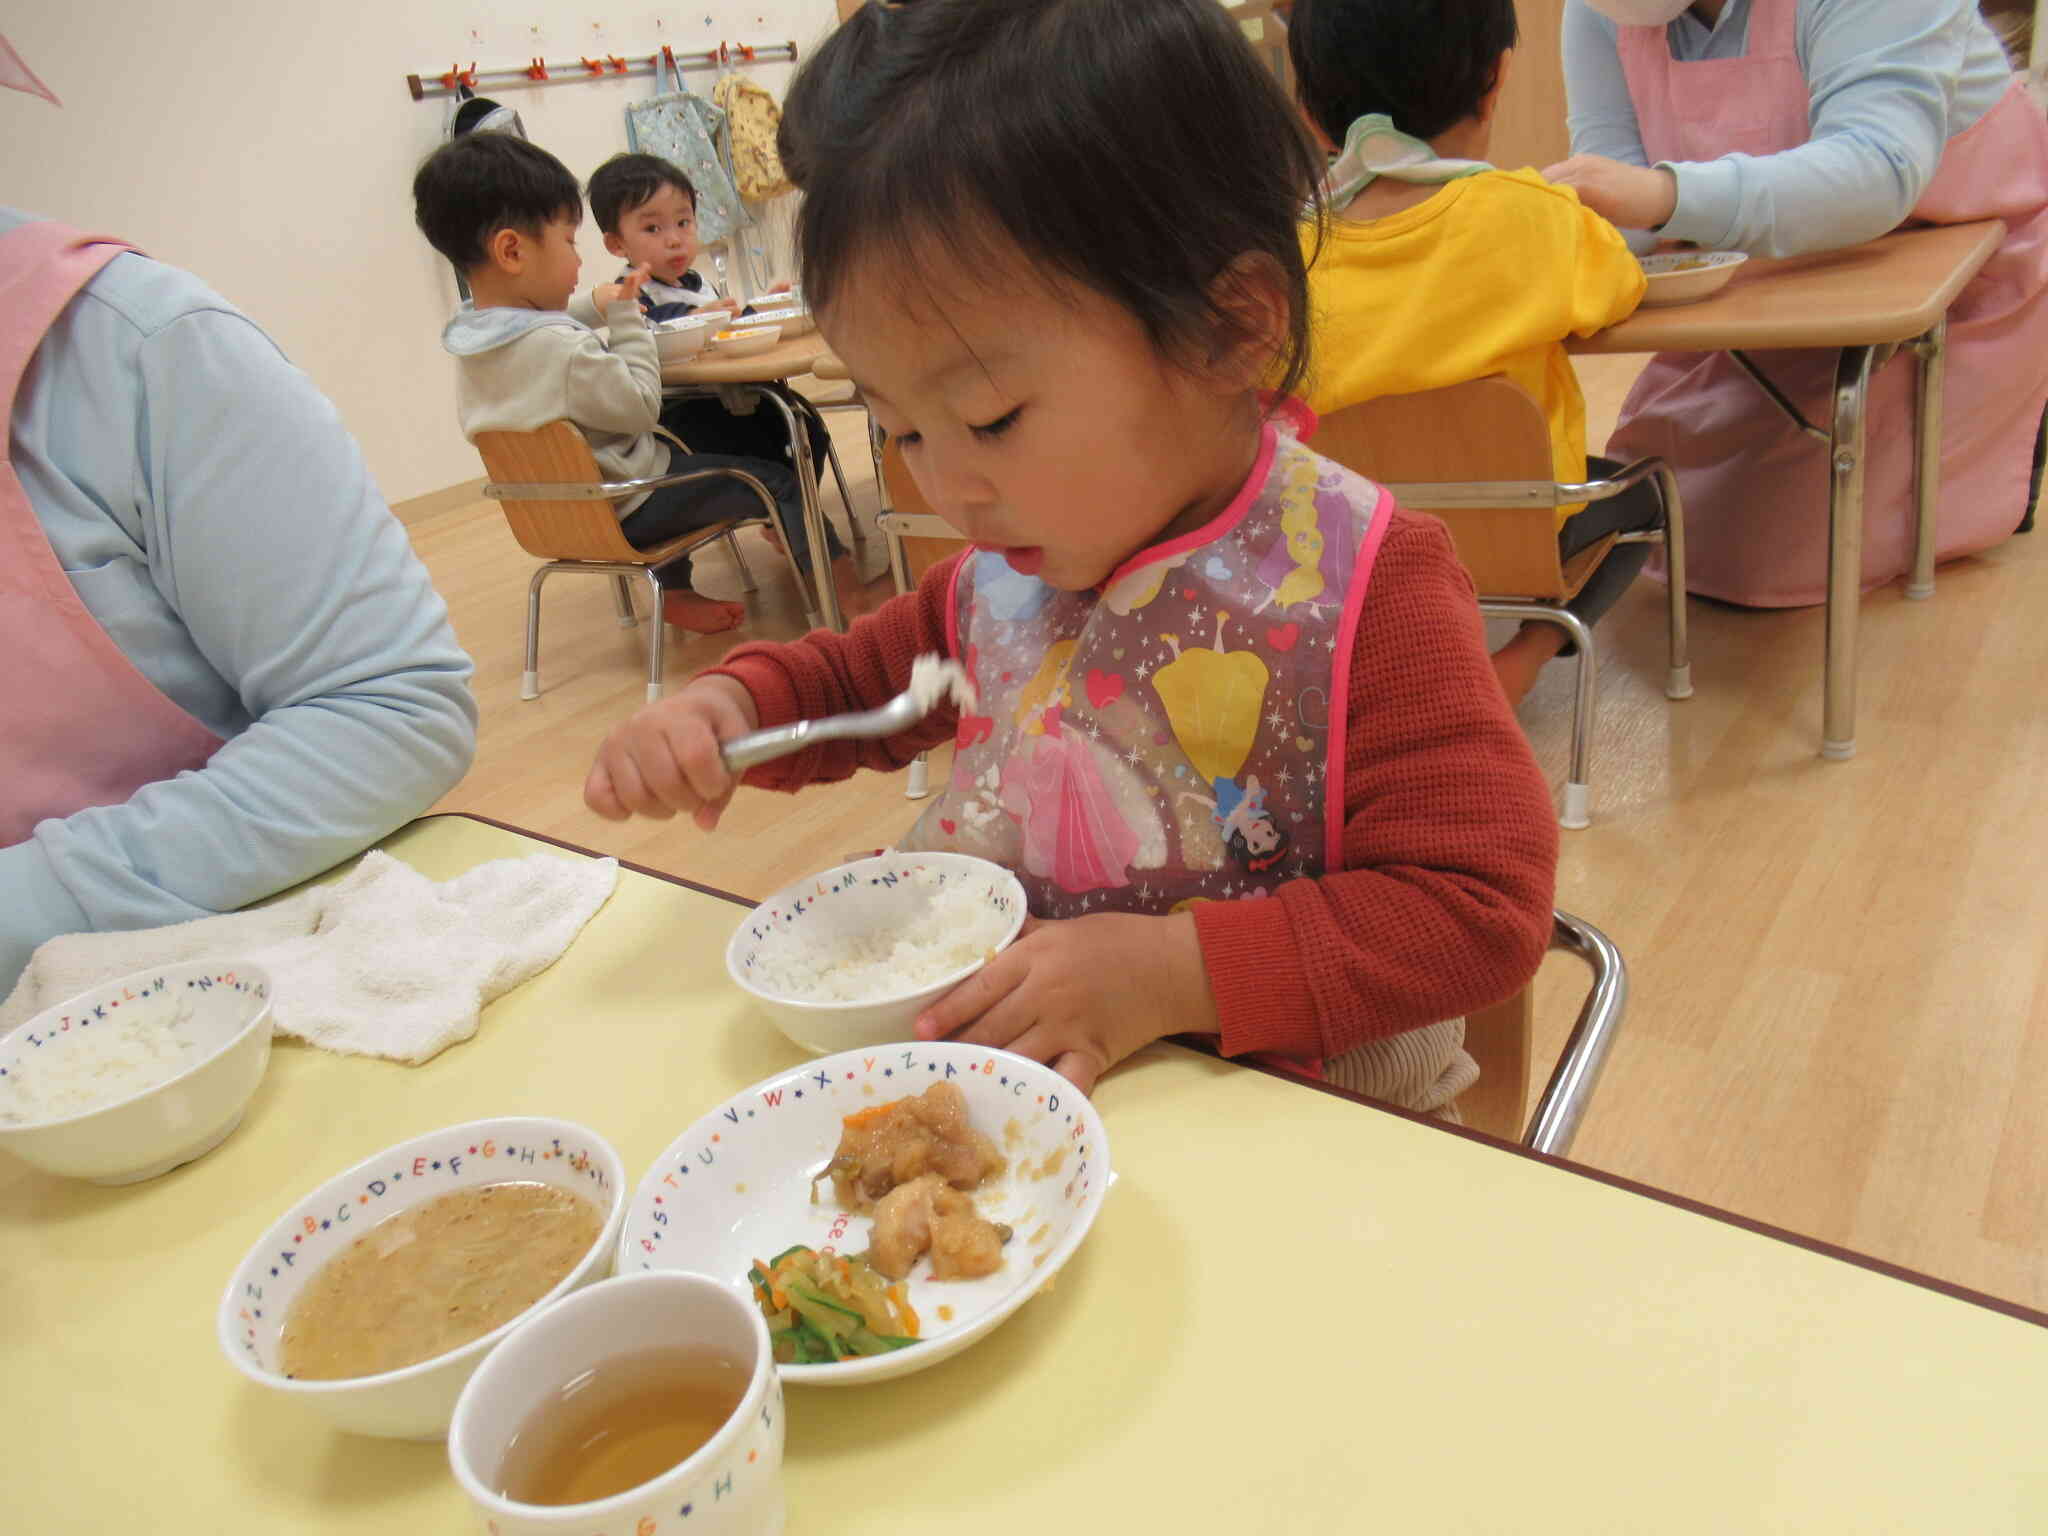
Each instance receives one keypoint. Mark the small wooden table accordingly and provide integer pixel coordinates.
(1296, 1312)
(729, 377)
(1867, 300)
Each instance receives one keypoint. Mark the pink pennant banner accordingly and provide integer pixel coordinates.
(17, 76)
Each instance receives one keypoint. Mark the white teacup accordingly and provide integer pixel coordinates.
(732, 1485)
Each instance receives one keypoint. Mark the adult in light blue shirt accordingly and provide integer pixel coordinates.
(217, 520)
(1891, 82)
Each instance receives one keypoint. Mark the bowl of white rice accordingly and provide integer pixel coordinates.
(129, 1080)
(850, 957)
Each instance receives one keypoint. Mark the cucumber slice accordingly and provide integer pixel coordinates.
(829, 1317)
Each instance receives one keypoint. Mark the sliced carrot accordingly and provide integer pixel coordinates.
(862, 1118)
(910, 1323)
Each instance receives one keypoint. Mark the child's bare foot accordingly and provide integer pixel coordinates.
(1517, 663)
(700, 614)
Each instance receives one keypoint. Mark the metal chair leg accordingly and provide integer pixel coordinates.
(1576, 813)
(739, 558)
(657, 637)
(1678, 676)
(1563, 1103)
(529, 680)
(1845, 553)
(853, 527)
(622, 589)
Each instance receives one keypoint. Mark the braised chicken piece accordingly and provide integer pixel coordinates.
(907, 1139)
(929, 1214)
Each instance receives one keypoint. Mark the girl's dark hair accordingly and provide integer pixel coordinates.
(1133, 147)
(1427, 64)
(478, 184)
(624, 182)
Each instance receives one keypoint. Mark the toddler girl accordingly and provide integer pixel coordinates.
(1237, 733)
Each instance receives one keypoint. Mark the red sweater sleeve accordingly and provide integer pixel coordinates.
(828, 674)
(1450, 843)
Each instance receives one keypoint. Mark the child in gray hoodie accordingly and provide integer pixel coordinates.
(505, 212)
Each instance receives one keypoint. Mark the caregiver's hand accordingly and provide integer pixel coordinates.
(666, 758)
(1629, 196)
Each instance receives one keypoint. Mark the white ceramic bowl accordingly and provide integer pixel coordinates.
(744, 338)
(736, 1187)
(226, 1011)
(865, 897)
(778, 309)
(678, 340)
(1682, 277)
(416, 1401)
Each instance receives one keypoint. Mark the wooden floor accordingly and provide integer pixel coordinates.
(1839, 1010)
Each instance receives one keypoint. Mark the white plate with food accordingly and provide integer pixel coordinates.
(745, 339)
(1683, 277)
(860, 1277)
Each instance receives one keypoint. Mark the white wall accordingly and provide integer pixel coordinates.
(269, 147)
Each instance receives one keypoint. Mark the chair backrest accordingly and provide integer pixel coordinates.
(1499, 1039)
(920, 554)
(556, 454)
(1490, 429)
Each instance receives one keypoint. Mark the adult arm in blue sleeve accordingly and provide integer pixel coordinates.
(1881, 76)
(273, 547)
(1882, 79)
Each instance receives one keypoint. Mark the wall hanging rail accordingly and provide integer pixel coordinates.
(610, 66)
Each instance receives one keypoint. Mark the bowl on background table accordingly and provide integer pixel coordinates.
(745, 339)
(679, 340)
(1685, 277)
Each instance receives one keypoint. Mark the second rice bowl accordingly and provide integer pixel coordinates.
(850, 957)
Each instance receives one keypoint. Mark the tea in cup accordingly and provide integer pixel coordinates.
(642, 1405)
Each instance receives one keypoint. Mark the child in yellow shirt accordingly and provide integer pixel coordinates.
(1436, 269)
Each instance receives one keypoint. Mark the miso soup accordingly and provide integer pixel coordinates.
(430, 1279)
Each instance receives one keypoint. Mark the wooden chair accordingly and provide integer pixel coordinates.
(1500, 1039)
(918, 540)
(560, 508)
(1477, 456)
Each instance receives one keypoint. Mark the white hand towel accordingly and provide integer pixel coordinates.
(383, 962)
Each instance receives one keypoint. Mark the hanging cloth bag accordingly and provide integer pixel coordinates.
(683, 128)
(751, 121)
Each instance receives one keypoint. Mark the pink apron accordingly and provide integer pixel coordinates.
(1174, 736)
(1755, 487)
(83, 726)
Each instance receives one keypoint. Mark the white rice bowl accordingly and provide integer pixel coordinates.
(850, 957)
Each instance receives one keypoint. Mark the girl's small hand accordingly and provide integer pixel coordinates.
(665, 759)
(1628, 196)
(1083, 993)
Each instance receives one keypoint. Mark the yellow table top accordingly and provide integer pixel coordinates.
(1296, 1313)
(1889, 289)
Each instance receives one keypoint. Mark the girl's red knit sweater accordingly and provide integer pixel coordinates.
(1450, 843)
